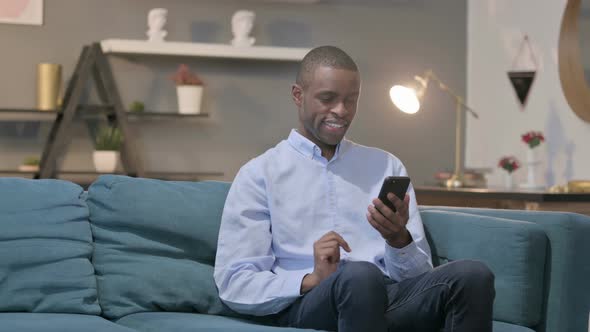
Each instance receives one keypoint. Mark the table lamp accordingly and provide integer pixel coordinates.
(407, 99)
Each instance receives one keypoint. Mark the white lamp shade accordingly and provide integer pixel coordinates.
(405, 99)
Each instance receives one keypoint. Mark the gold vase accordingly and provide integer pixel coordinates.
(48, 86)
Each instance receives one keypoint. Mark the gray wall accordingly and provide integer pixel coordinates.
(249, 101)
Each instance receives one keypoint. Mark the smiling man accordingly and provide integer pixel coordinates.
(303, 237)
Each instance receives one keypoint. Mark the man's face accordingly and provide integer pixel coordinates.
(327, 104)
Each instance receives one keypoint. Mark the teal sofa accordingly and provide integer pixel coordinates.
(134, 254)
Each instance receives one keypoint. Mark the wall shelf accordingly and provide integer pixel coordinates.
(15, 114)
(16, 173)
(93, 64)
(129, 46)
(90, 111)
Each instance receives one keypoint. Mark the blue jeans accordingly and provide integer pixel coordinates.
(454, 297)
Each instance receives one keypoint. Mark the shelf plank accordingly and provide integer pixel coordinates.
(164, 115)
(26, 115)
(530, 195)
(129, 46)
(90, 111)
(15, 172)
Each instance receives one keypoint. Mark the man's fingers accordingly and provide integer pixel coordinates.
(328, 255)
(333, 244)
(385, 226)
(404, 208)
(382, 230)
(392, 224)
(398, 203)
(330, 236)
(401, 216)
(329, 258)
(340, 239)
(383, 209)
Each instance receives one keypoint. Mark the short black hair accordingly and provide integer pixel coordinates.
(327, 56)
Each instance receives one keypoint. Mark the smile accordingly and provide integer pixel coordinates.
(335, 125)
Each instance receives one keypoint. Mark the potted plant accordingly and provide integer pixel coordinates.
(509, 164)
(30, 164)
(137, 106)
(189, 90)
(107, 144)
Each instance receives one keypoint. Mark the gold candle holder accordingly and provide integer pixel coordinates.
(48, 86)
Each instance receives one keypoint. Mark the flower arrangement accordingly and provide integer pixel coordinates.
(533, 138)
(184, 76)
(510, 164)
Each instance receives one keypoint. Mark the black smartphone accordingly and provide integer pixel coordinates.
(398, 185)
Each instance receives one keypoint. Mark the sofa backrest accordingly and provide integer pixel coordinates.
(155, 244)
(45, 248)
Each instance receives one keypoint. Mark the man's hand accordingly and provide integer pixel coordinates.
(391, 225)
(326, 256)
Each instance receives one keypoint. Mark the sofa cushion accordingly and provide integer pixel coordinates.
(45, 248)
(187, 322)
(506, 327)
(155, 244)
(35, 322)
(514, 250)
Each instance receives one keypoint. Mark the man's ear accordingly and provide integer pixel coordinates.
(297, 94)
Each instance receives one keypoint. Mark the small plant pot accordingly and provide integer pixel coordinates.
(189, 98)
(28, 168)
(105, 161)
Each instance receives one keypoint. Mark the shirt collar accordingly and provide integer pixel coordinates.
(307, 147)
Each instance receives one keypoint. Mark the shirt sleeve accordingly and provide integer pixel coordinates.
(415, 258)
(245, 258)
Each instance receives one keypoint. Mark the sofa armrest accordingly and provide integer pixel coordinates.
(514, 250)
(567, 290)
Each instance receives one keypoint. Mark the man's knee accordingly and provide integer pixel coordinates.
(360, 272)
(361, 278)
(472, 274)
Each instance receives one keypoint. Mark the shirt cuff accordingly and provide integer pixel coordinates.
(401, 255)
(292, 284)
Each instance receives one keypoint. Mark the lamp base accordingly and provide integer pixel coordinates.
(456, 181)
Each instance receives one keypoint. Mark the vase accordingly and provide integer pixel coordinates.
(533, 161)
(189, 98)
(105, 161)
(48, 86)
(508, 180)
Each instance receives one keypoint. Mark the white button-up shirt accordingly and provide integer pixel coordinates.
(283, 201)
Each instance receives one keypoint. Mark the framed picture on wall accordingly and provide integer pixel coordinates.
(21, 12)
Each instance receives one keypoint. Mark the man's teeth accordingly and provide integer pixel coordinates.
(334, 125)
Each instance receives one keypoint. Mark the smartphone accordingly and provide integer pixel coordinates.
(398, 185)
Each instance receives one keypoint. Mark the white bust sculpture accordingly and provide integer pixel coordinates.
(156, 22)
(241, 25)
